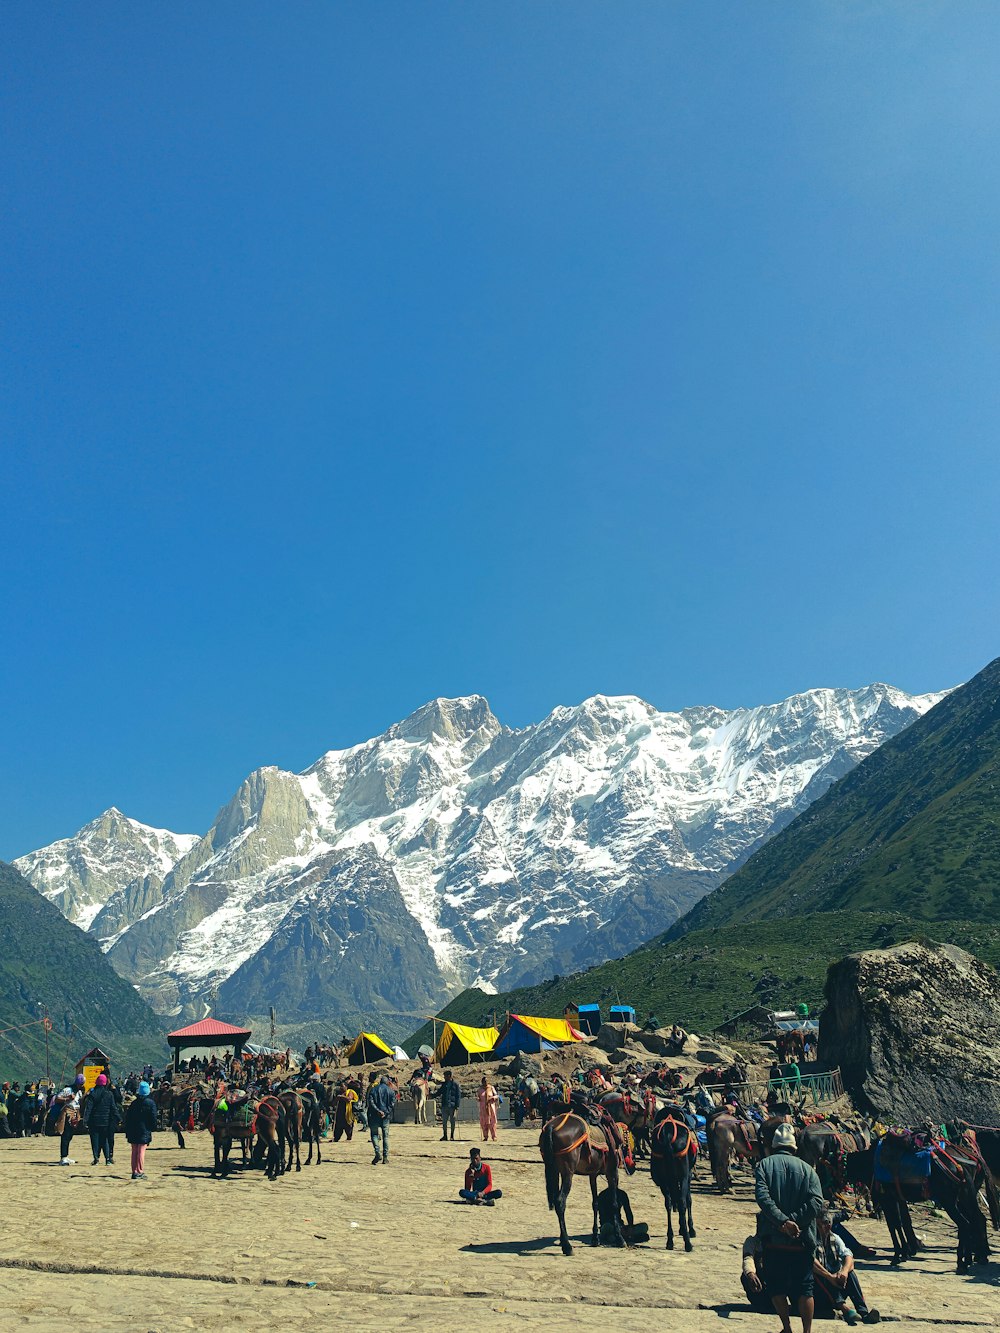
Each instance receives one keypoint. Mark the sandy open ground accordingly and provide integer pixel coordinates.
(86, 1248)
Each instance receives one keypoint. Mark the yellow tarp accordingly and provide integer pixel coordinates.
(367, 1046)
(474, 1041)
(550, 1029)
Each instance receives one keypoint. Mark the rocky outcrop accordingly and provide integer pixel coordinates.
(916, 1033)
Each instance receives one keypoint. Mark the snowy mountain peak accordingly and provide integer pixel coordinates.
(447, 719)
(111, 855)
(453, 849)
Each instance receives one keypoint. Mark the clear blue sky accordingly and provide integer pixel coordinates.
(358, 353)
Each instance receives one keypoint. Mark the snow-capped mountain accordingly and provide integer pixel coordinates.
(111, 858)
(453, 850)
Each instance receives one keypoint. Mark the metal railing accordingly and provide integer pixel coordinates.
(818, 1088)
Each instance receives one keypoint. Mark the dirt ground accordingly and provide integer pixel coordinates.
(385, 1247)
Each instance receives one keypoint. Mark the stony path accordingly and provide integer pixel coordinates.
(386, 1247)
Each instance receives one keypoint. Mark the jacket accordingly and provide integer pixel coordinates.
(787, 1189)
(100, 1110)
(140, 1120)
(450, 1094)
(381, 1100)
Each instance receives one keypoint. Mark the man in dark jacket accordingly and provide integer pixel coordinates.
(100, 1119)
(381, 1102)
(140, 1121)
(451, 1095)
(790, 1199)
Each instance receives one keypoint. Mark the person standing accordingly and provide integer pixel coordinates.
(381, 1102)
(100, 1119)
(451, 1096)
(140, 1121)
(790, 1199)
(488, 1103)
(68, 1117)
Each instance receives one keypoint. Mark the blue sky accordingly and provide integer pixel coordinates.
(354, 354)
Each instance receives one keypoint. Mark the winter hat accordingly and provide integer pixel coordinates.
(102, 1080)
(143, 1089)
(784, 1137)
(78, 1081)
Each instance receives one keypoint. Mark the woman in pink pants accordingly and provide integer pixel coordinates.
(140, 1121)
(488, 1102)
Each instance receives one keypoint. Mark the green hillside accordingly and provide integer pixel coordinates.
(45, 961)
(915, 829)
(710, 975)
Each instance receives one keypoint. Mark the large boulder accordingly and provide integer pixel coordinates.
(916, 1033)
(615, 1036)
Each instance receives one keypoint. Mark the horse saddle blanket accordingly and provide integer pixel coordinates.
(902, 1167)
(239, 1116)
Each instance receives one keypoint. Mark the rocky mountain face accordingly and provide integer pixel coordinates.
(916, 1032)
(915, 828)
(453, 850)
(113, 869)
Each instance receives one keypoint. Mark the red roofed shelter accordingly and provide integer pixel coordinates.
(208, 1033)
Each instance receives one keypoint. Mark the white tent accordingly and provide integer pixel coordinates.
(399, 1054)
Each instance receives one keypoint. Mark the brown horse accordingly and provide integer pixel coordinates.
(568, 1149)
(729, 1137)
(230, 1120)
(292, 1103)
(672, 1157)
(791, 1043)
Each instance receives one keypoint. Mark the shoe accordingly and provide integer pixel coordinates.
(96, 1162)
(67, 1161)
(490, 1203)
(866, 1252)
(140, 1175)
(849, 1318)
(444, 1138)
(376, 1160)
(384, 1160)
(871, 1317)
(134, 1175)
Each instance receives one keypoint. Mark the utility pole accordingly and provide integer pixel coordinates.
(47, 1024)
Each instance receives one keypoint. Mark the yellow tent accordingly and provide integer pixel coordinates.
(458, 1043)
(534, 1034)
(366, 1048)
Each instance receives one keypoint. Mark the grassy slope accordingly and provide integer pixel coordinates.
(710, 975)
(915, 828)
(45, 958)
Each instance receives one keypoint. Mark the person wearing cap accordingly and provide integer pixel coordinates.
(100, 1119)
(69, 1117)
(790, 1199)
(140, 1121)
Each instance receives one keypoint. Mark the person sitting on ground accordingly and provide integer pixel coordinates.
(754, 1281)
(479, 1181)
(677, 1039)
(635, 1233)
(836, 1281)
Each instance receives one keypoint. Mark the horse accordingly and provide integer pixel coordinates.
(826, 1147)
(568, 1150)
(791, 1043)
(314, 1110)
(292, 1104)
(228, 1121)
(672, 1157)
(956, 1177)
(729, 1136)
(418, 1092)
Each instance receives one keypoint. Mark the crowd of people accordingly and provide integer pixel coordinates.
(800, 1254)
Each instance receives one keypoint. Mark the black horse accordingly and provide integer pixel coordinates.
(956, 1177)
(673, 1149)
